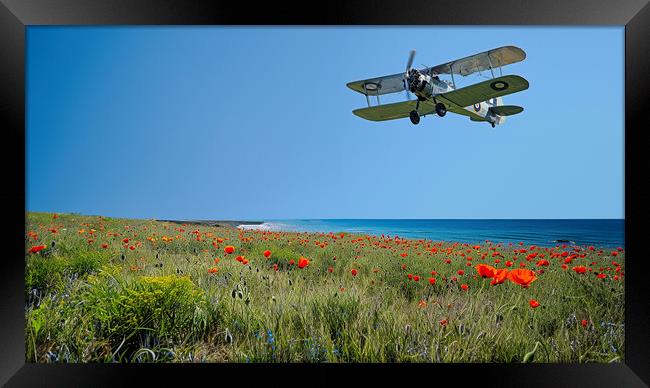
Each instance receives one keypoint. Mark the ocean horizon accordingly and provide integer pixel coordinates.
(543, 232)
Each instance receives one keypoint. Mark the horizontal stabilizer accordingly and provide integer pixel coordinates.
(507, 110)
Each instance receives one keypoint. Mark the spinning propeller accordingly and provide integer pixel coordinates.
(409, 63)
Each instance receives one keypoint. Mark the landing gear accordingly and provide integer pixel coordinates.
(492, 125)
(441, 109)
(415, 117)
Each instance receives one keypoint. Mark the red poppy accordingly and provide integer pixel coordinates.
(564, 267)
(508, 263)
(292, 262)
(36, 248)
(354, 272)
(432, 281)
(267, 253)
(275, 267)
(239, 258)
(601, 276)
(461, 272)
(330, 270)
(543, 262)
(229, 249)
(433, 273)
(465, 287)
(213, 270)
(403, 254)
(416, 278)
(244, 261)
(523, 277)
(485, 271)
(410, 276)
(132, 247)
(104, 246)
(584, 323)
(303, 262)
(403, 266)
(216, 260)
(580, 269)
(533, 303)
(125, 240)
(500, 276)
(444, 322)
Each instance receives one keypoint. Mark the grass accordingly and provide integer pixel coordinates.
(92, 296)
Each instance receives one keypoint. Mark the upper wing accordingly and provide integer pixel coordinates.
(483, 61)
(484, 91)
(393, 111)
(380, 85)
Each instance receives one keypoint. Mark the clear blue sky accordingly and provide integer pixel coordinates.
(257, 123)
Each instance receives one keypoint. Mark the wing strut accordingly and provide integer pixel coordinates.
(366, 93)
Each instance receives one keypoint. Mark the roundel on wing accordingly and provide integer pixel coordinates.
(477, 107)
(499, 85)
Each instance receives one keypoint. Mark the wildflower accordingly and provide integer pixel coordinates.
(132, 248)
(416, 278)
(508, 263)
(500, 276)
(422, 304)
(465, 287)
(410, 276)
(330, 270)
(432, 281)
(240, 258)
(104, 246)
(267, 253)
(461, 272)
(229, 249)
(292, 262)
(584, 323)
(542, 262)
(523, 277)
(485, 271)
(403, 266)
(444, 322)
(533, 303)
(125, 240)
(303, 262)
(213, 270)
(275, 267)
(580, 269)
(354, 272)
(601, 276)
(36, 248)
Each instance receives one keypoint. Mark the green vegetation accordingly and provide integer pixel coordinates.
(116, 290)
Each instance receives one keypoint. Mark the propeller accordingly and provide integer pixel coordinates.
(409, 63)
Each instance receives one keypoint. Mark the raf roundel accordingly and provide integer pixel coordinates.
(477, 107)
(499, 85)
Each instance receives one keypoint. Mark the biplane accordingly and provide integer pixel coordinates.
(481, 102)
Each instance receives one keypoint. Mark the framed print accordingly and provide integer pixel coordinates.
(254, 191)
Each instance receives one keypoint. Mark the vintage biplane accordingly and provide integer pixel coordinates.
(480, 102)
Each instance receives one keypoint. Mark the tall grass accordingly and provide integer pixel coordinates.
(159, 303)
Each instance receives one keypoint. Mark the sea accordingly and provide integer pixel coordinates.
(582, 232)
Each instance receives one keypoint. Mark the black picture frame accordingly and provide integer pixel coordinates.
(16, 15)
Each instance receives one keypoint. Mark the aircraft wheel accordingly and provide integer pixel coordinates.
(441, 109)
(492, 125)
(415, 117)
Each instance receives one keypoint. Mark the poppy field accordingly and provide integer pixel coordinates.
(101, 289)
